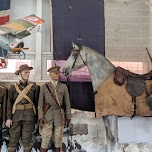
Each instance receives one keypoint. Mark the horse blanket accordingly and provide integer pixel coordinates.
(112, 99)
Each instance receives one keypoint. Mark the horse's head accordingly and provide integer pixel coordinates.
(76, 60)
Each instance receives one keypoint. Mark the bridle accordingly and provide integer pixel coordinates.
(75, 54)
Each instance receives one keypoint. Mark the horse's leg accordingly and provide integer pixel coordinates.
(111, 126)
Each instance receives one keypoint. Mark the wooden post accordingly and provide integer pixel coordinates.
(38, 56)
(51, 32)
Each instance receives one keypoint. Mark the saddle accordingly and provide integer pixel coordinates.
(136, 83)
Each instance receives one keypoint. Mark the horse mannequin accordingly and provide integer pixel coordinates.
(100, 70)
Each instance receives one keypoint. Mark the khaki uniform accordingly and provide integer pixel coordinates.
(24, 118)
(3, 98)
(53, 117)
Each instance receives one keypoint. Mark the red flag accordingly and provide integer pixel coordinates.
(4, 11)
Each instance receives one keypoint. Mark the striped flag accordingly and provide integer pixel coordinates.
(4, 11)
(4, 17)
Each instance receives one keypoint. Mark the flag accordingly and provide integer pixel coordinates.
(4, 11)
(74, 21)
(83, 23)
(4, 17)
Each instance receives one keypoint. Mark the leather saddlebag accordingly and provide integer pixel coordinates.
(120, 76)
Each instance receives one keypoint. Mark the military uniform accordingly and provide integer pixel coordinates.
(23, 115)
(3, 98)
(56, 114)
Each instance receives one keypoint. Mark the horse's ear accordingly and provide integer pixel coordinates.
(75, 47)
(72, 43)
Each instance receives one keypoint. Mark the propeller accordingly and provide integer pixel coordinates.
(19, 49)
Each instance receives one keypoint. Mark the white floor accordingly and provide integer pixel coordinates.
(4, 149)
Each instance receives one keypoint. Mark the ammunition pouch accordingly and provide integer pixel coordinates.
(24, 106)
(120, 76)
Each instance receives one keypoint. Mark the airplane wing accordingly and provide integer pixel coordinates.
(20, 25)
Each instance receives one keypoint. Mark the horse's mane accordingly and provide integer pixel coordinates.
(88, 48)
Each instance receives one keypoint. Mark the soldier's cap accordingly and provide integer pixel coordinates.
(54, 69)
(23, 67)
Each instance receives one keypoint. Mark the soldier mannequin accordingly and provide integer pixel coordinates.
(52, 116)
(21, 110)
(3, 98)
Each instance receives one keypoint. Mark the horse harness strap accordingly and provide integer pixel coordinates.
(78, 53)
(83, 60)
(22, 94)
(135, 87)
(136, 84)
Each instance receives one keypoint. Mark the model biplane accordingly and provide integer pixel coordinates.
(11, 34)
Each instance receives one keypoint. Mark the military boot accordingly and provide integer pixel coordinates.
(57, 150)
(43, 150)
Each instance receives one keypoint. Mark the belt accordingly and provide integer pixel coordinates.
(55, 107)
(24, 106)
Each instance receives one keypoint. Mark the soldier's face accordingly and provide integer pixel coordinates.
(25, 74)
(54, 76)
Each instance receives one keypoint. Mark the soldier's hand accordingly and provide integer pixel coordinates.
(8, 123)
(41, 122)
